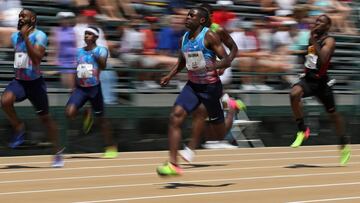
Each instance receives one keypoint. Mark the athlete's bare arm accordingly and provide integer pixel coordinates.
(228, 41)
(101, 61)
(212, 41)
(180, 64)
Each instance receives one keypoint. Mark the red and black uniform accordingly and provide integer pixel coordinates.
(314, 83)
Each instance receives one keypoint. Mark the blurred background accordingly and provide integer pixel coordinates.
(143, 39)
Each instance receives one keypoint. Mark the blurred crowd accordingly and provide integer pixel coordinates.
(146, 34)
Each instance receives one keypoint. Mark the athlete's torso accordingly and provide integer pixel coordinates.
(24, 68)
(197, 56)
(312, 62)
(87, 67)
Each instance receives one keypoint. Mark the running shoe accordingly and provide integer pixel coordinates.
(88, 122)
(232, 103)
(17, 139)
(58, 161)
(169, 169)
(345, 155)
(187, 154)
(110, 152)
(300, 137)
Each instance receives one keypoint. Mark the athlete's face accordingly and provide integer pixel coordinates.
(90, 38)
(25, 18)
(322, 25)
(193, 19)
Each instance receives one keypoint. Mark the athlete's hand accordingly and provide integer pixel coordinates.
(25, 30)
(220, 71)
(313, 37)
(165, 80)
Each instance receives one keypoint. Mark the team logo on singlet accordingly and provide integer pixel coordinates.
(311, 58)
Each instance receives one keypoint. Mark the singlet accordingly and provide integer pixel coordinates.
(196, 57)
(312, 63)
(24, 69)
(87, 71)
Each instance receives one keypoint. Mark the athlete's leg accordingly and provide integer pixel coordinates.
(7, 102)
(177, 118)
(185, 104)
(14, 92)
(327, 98)
(37, 95)
(337, 119)
(97, 103)
(297, 92)
(77, 99)
(296, 104)
(198, 125)
(52, 131)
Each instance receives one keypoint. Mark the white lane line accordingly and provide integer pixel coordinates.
(165, 151)
(155, 164)
(193, 181)
(11, 171)
(67, 160)
(144, 174)
(221, 192)
(327, 200)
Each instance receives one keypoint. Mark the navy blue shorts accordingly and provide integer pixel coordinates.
(34, 90)
(192, 95)
(81, 95)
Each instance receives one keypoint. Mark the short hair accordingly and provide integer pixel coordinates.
(207, 6)
(204, 13)
(327, 18)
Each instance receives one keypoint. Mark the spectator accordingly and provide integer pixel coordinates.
(222, 15)
(63, 44)
(9, 11)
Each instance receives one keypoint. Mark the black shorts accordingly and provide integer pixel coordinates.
(34, 90)
(83, 94)
(192, 95)
(320, 89)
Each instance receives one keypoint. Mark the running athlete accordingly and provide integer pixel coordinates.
(199, 49)
(90, 60)
(29, 45)
(199, 116)
(315, 83)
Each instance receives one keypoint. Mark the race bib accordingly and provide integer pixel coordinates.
(21, 60)
(84, 70)
(195, 60)
(311, 61)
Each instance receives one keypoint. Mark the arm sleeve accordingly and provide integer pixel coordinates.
(103, 52)
(41, 39)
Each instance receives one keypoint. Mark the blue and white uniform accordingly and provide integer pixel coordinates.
(204, 86)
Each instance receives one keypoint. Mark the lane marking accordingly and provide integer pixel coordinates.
(327, 200)
(165, 157)
(144, 174)
(203, 150)
(156, 164)
(193, 181)
(222, 192)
